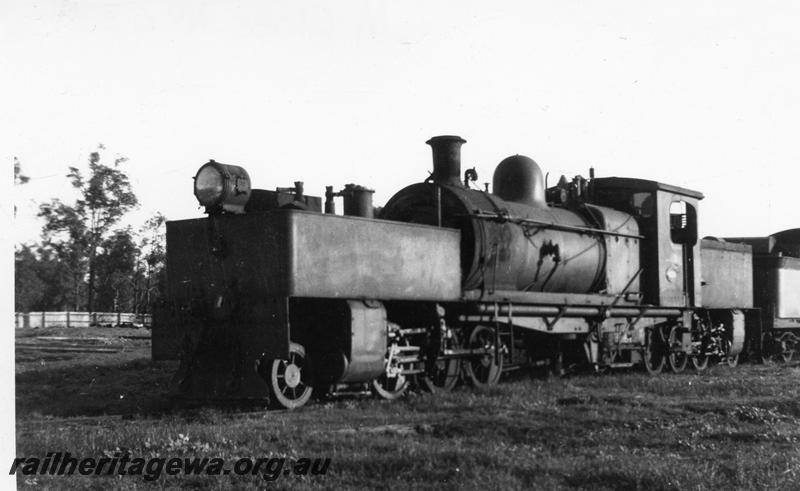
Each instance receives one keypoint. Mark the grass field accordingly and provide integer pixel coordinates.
(722, 429)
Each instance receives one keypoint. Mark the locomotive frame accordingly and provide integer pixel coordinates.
(270, 298)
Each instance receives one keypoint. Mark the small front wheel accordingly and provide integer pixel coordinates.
(392, 383)
(731, 361)
(787, 350)
(289, 383)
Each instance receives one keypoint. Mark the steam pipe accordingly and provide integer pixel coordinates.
(330, 205)
(572, 311)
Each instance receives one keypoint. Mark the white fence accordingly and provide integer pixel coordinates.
(79, 319)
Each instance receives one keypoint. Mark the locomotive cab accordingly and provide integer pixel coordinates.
(670, 252)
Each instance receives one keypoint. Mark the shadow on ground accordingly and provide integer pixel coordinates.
(138, 386)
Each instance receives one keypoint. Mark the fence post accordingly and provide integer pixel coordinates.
(67, 319)
(119, 319)
(44, 319)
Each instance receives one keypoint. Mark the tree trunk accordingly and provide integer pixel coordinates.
(136, 287)
(77, 292)
(90, 299)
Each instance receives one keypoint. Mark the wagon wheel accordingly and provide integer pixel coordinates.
(732, 361)
(393, 383)
(787, 351)
(677, 359)
(700, 361)
(654, 352)
(288, 379)
(485, 369)
(442, 375)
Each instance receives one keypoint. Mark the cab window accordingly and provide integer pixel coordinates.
(682, 223)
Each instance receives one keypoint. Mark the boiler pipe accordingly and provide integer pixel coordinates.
(572, 311)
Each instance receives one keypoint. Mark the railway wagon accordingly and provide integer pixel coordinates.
(776, 285)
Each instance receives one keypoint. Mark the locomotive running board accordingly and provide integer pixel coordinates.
(584, 311)
(546, 298)
(561, 327)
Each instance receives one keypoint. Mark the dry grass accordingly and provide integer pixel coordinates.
(723, 429)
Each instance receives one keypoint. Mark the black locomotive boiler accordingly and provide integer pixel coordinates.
(270, 297)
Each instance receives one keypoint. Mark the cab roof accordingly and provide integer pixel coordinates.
(643, 185)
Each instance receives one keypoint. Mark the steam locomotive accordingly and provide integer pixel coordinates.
(271, 296)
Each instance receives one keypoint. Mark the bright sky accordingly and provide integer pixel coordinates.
(698, 94)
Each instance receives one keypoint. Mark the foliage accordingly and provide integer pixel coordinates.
(19, 177)
(78, 231)
(28, 286)
(115, 266)
(129, 267)
(85, 261)
(152, 260)
(42, 281)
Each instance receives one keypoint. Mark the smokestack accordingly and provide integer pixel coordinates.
(446, 159)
